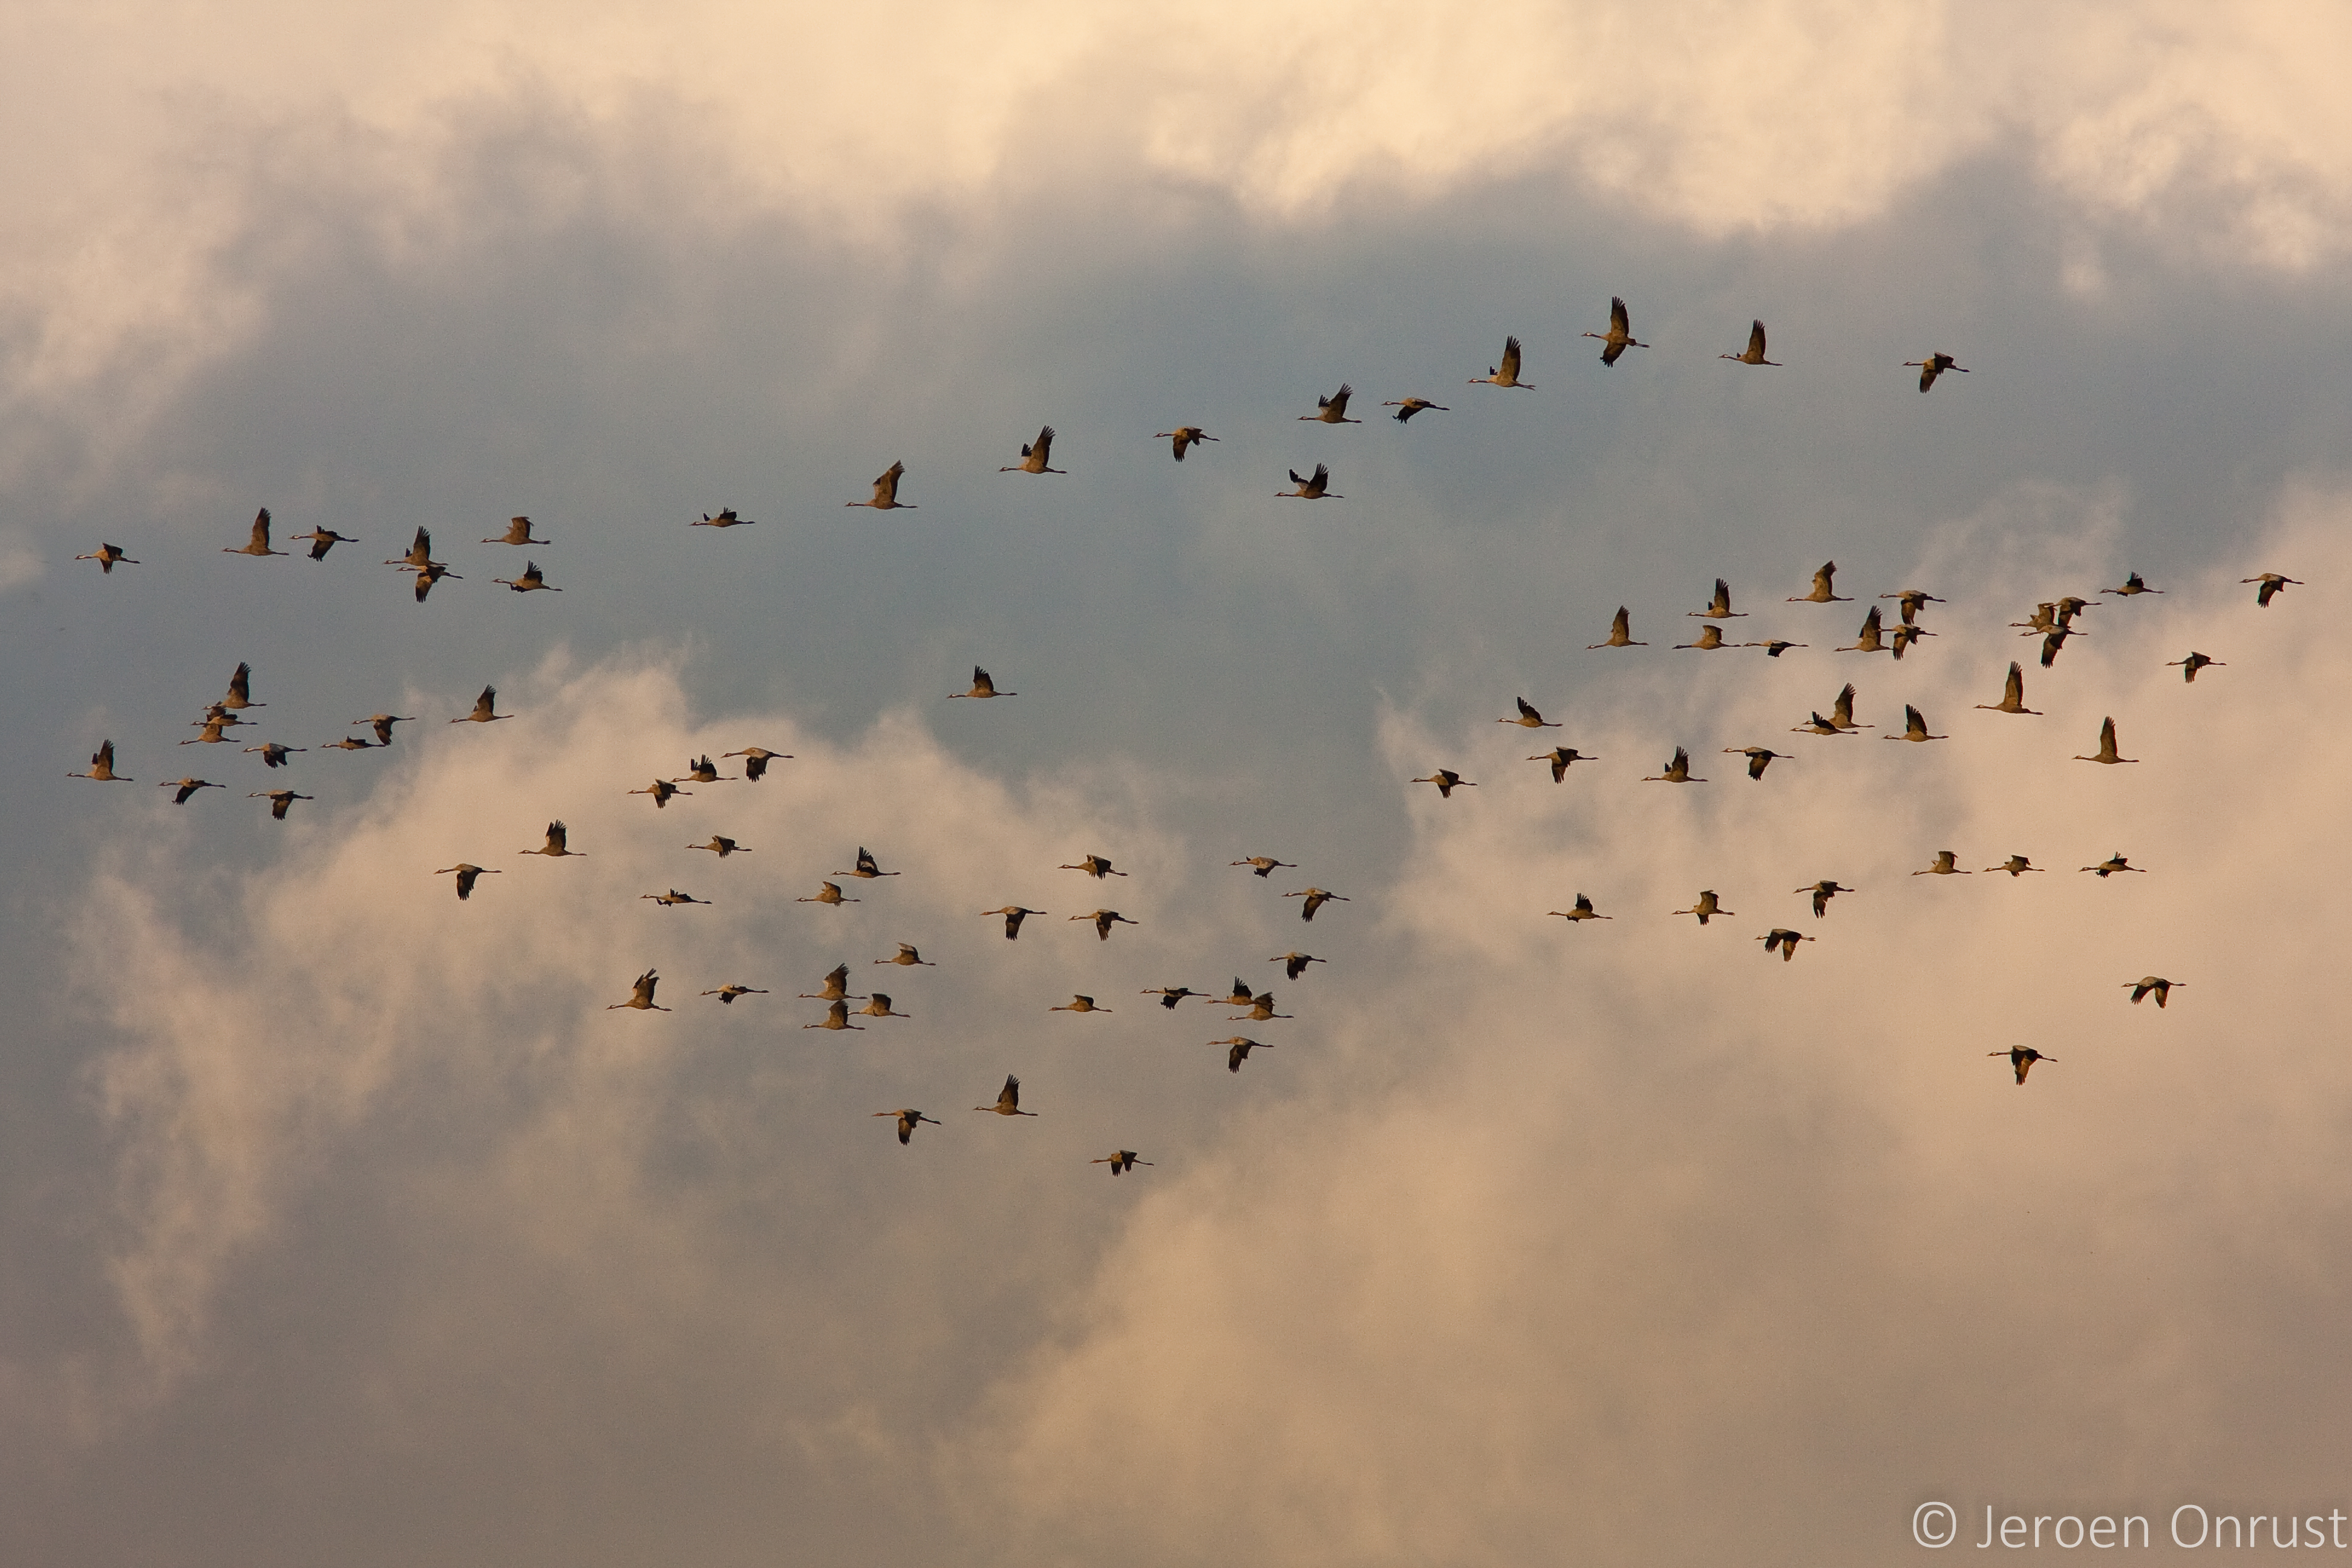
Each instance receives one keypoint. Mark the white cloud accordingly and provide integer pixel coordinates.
(145, 242)
(1635, 1242)
(1610, 1234)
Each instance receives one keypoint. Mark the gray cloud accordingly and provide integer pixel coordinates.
(351, 1222)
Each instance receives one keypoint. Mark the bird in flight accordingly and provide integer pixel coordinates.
(1008, 1100)
(420, 552)
(827, 893)
(1866, 640)
(641, 995)
(274, 755)
(1183, 436)
(558, 844)
(1822, 892)
(2012, 694)
(1909, 602)
(532, 579)
(1316, 899)
(2113, 863)
(1706, 907)
(1619, 335)
(1560, 757)
(1406, 407)
(381, 724)
(1758, 758)
(1317, 487)
(1014, 915)
(1447, 781)
(2106, 746)
(1260, 1008)
(108, 557)
(519, 532)
(1333, 410)
(1784, 940)
(485, 709)
(2021, 1058)
(323, 539)
(1677, 771)
(2270, 583)
(725, 518)
(1754, 353)
(1946, 864)
(280, 800)
(1822, 593)
(2133, 586)
(1905, 635)
(1508, 373)
(672, 899)
(1170, 994)
(866, 867)
(908, 957)
(1933, 365)
(1583, 911)
(1036, 456)
(982, 687)
(1710, 637)
(101, 766)
(2155, 985)
(1294, 964)
(1104, 919)
(835, 987)
(1529, 718)
(2190, 667)
(1621, 632)
(909, 1119)
(1093, 865)
(1240, 1047)
(1720, 608)
(185, 787)
(836, 1016)
(1264, 865)
(1915, 727)
(1118, 1160)
(1077, 1005)
(257, 544)
(728, 992)
(885, 492)
(721, 845)
(756, 760)
(465, 872)
(661, 790)
(430, 574)
(1842, 711)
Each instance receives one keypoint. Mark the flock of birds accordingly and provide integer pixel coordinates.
(2053, 622)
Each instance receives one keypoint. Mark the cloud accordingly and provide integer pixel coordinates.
(143, 246)
(1612, 1235)
(1627, 1239)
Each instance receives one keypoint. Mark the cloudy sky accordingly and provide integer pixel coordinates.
(344, 1222)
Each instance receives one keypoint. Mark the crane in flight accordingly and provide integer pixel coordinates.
(1619, 335)
(1754, 353)
(1933, 365)
(1508, 373)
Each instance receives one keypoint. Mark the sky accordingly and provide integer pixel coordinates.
(348, 1222)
